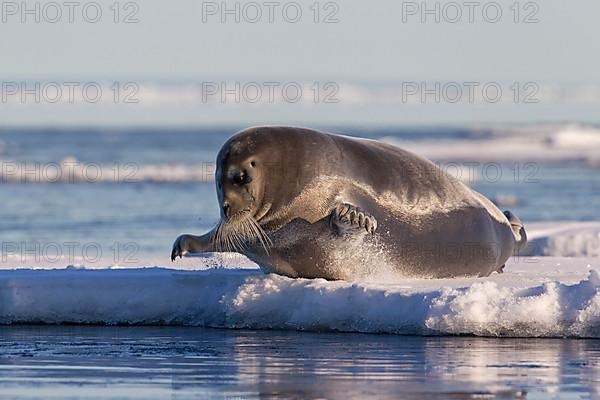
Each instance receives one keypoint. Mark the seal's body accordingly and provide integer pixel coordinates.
(308, 204)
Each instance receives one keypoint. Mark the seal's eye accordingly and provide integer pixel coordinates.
(242, 178)
(253, 163)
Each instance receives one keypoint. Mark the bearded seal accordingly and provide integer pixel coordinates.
(304, 203)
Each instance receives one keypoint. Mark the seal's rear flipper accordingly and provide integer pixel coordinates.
(346, 215)
(518, 230)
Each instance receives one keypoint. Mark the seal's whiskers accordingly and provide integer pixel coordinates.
(235, 235)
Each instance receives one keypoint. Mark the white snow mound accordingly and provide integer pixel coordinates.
(543, 297)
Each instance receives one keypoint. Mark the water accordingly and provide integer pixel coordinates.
(151, 214)
(180, 363)
(169, 362)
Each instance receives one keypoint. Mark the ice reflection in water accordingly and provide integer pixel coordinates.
(168, 362)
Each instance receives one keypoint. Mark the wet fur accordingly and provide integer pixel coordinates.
(417, 207)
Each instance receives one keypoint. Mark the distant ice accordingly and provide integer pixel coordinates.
(553, 143)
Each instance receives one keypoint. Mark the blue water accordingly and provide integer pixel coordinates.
(181, 363)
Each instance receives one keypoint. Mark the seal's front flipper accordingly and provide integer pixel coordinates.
(346, 216)
(185, 244)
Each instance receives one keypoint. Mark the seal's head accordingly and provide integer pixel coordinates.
(245, 187)
(242, 174)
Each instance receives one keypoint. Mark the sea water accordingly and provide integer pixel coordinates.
(163, 187)
(182, 363)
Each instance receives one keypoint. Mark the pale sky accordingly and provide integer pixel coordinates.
(370, 43)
